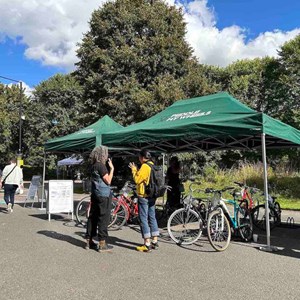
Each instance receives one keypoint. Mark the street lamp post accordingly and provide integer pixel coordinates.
(20, 113)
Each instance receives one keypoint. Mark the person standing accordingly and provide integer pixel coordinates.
(101, 197)
(172, 179)
(12, 178)
(146, 204)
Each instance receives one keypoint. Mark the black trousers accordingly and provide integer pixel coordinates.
(99, 217)
(173, 197)
(9, 193)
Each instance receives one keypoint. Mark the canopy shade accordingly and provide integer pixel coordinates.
(85, 139)
(212, 122)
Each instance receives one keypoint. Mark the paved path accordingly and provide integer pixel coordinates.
(46, 260)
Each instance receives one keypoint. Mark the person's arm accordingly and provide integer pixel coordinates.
(141, 175)
(4, 174)
(108, 176)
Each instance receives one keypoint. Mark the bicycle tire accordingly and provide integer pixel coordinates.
(82, 210)
(258, 214)
(185, 226)
(112, 215)
(119, 215)
(244, 222)
(218, 230)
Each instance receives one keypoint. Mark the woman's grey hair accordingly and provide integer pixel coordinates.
(99, 154)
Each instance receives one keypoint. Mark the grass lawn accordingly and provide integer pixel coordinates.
(285, 203)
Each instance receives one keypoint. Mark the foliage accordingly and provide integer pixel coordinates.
(54, 110)
(9, 116)
(134, 61)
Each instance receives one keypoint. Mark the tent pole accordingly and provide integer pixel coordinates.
(43, 185)
(268, 248)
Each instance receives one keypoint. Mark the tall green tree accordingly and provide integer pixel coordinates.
(289, 59)
(134, 60)
(54, 110)
(254, 83)
(9, 116)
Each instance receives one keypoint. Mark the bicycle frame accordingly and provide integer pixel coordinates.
(130, 206)
(232, 219)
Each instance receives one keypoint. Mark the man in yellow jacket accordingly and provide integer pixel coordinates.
(146, 204)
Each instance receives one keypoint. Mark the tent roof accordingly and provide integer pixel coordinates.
(212, 122)
(85, 139)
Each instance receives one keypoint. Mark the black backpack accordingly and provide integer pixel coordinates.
(156, 187)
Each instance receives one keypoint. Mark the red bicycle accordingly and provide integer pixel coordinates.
(125, 207)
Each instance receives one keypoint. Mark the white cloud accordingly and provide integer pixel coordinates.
(25, 87)
(51, 30)
(221, 47)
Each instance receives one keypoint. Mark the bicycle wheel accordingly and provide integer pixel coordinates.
(245, 224)
(259, 217)
(184, 226)
(119, 215)
(82, 210)
(218, 230)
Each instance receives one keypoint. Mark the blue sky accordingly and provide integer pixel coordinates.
(32, 35)
(258, 15)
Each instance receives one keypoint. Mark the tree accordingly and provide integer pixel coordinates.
(55, 110)
(133, 56)
(9, 116)
(289, 59)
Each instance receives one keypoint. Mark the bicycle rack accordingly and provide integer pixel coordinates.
(290, 222)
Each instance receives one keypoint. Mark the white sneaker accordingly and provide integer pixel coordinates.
(9, 209)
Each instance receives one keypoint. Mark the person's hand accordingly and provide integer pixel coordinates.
(132, 165)
(110, 164)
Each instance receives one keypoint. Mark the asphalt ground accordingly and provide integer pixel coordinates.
(47, 260)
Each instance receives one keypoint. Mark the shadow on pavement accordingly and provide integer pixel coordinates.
(3, 210)
(62, 237)
(115, 241)
(285, 238)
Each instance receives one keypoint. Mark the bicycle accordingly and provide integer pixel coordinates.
(82, 210)
(126, 208)
(259, 214)
(185, 224)
(258, 210)
(220, 221)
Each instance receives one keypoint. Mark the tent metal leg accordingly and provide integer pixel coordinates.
(43, 185)
(268, 247)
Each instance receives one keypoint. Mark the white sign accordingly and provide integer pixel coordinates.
(34, 185)
(60, 197)
(189, 114)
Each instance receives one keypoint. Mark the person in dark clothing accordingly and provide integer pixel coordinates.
(172, 179)
(101, 196)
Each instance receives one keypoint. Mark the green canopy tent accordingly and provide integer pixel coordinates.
(213, 122)
(83, 141)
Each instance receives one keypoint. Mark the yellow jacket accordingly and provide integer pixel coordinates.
(142, 177)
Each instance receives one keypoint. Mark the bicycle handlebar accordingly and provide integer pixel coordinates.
(193, 183)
